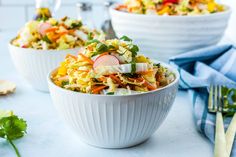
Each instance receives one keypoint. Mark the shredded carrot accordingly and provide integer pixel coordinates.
(52, 29)
(103, 79)
(121, 7)
(84, 71)
(57, 36)
(149, 85)
(103, 54)
(72, 56)
(97, 89)
(136, 79)
(146, 72)
(86, 58)
(71, 31)
(146, 83)
(63, 33)
(113, 77)
(63, 25)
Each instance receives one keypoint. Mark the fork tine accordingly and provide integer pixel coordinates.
(210, 98)
(215, 95)
(220, 99)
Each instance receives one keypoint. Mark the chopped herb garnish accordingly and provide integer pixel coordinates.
(95, 53)
(46, 39)
(92, 41)
(157, 64)
(110, 93)
(101, 47)
(76, 25)
(125, 38)
(90, 36)
(111, 47)
(95, 80)
(132, 75)
(44, 18)
(64, 18)
(134, 49)
(64, 83)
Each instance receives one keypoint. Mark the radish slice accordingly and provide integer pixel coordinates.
(43, 27)
(106, 60)
(122, 68)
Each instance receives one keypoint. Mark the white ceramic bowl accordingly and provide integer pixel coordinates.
(161, 37)
(34, 65)
(114, 121)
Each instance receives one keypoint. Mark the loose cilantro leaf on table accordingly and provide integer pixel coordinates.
(12, 128)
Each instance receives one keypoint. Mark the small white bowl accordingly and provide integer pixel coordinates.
(161, 37)
(114, 121)
(34, 65)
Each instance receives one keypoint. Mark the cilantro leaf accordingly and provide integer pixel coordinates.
(76, 25)
(101, 47)
(64, 83)
(90, 36)
(125, 38)
(12, 128)
(134, 49)
(46, 39)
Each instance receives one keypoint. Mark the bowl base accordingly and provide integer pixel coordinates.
(124, 146)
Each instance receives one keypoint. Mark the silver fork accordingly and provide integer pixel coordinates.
(215, 105)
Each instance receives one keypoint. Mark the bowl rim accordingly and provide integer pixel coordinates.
(168, 66)
(40, 50)
(227, 11)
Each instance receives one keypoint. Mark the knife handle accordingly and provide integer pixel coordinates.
(220, 141)
(230, 134)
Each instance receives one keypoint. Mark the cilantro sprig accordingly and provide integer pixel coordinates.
(229, 100)
(11, 128)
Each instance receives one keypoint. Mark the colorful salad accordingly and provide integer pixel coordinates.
(171, 7)
(111, 67)
(54, 34)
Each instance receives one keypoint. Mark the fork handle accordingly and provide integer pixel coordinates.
(220, 141)
(230, 134)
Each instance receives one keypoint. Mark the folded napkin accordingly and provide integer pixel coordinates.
(200, 68)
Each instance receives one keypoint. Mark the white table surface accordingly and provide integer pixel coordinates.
(49, 137)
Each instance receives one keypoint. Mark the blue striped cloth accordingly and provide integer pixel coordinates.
(200, 68)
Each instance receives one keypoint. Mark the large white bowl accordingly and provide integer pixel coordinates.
(161, 37)
(34, 65)
(114, 121)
